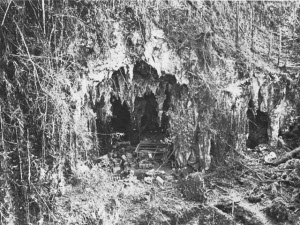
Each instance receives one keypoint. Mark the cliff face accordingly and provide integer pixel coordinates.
(214, 76)
(207, 77)
(226, 86)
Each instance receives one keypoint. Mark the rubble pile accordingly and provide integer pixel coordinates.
(141, 161)
(272, 189)
(121, 159)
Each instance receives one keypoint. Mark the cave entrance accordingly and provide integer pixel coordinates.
(150, 119)
(258, 127)
(151, 125)
(120, 120)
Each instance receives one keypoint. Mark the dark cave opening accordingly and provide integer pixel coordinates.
(166, 107)
(258, 127)
(150, 120)
(120, 120)
(149, 126)
(147, 117)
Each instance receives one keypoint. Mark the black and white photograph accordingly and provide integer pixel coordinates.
(149, 112)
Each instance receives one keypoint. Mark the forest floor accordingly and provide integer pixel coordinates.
(244, 191)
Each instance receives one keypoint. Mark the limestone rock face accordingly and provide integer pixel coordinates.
(270, 108)
(188, 80)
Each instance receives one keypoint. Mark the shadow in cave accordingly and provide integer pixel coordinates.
(120, 121)
(150, 127)
(144, 124)
(258, 126)
(150, 120)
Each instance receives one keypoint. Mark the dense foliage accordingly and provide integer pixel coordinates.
(44, 48)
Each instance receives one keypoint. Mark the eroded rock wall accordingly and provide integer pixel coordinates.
(214, 98)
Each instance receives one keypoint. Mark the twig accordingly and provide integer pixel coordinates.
(221, 188)
(44, 17)
(29, 56)
(13, 143)
(273, 181)
(44, 202)
(6, 13)
(29, 157)
(247, 167)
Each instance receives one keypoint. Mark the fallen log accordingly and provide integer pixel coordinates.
(285, 157)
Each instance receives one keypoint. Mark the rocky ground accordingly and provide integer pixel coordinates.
(119, 189)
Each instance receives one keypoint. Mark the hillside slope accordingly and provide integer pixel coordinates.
(211, 79)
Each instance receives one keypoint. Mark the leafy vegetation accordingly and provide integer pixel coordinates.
(50, 107)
